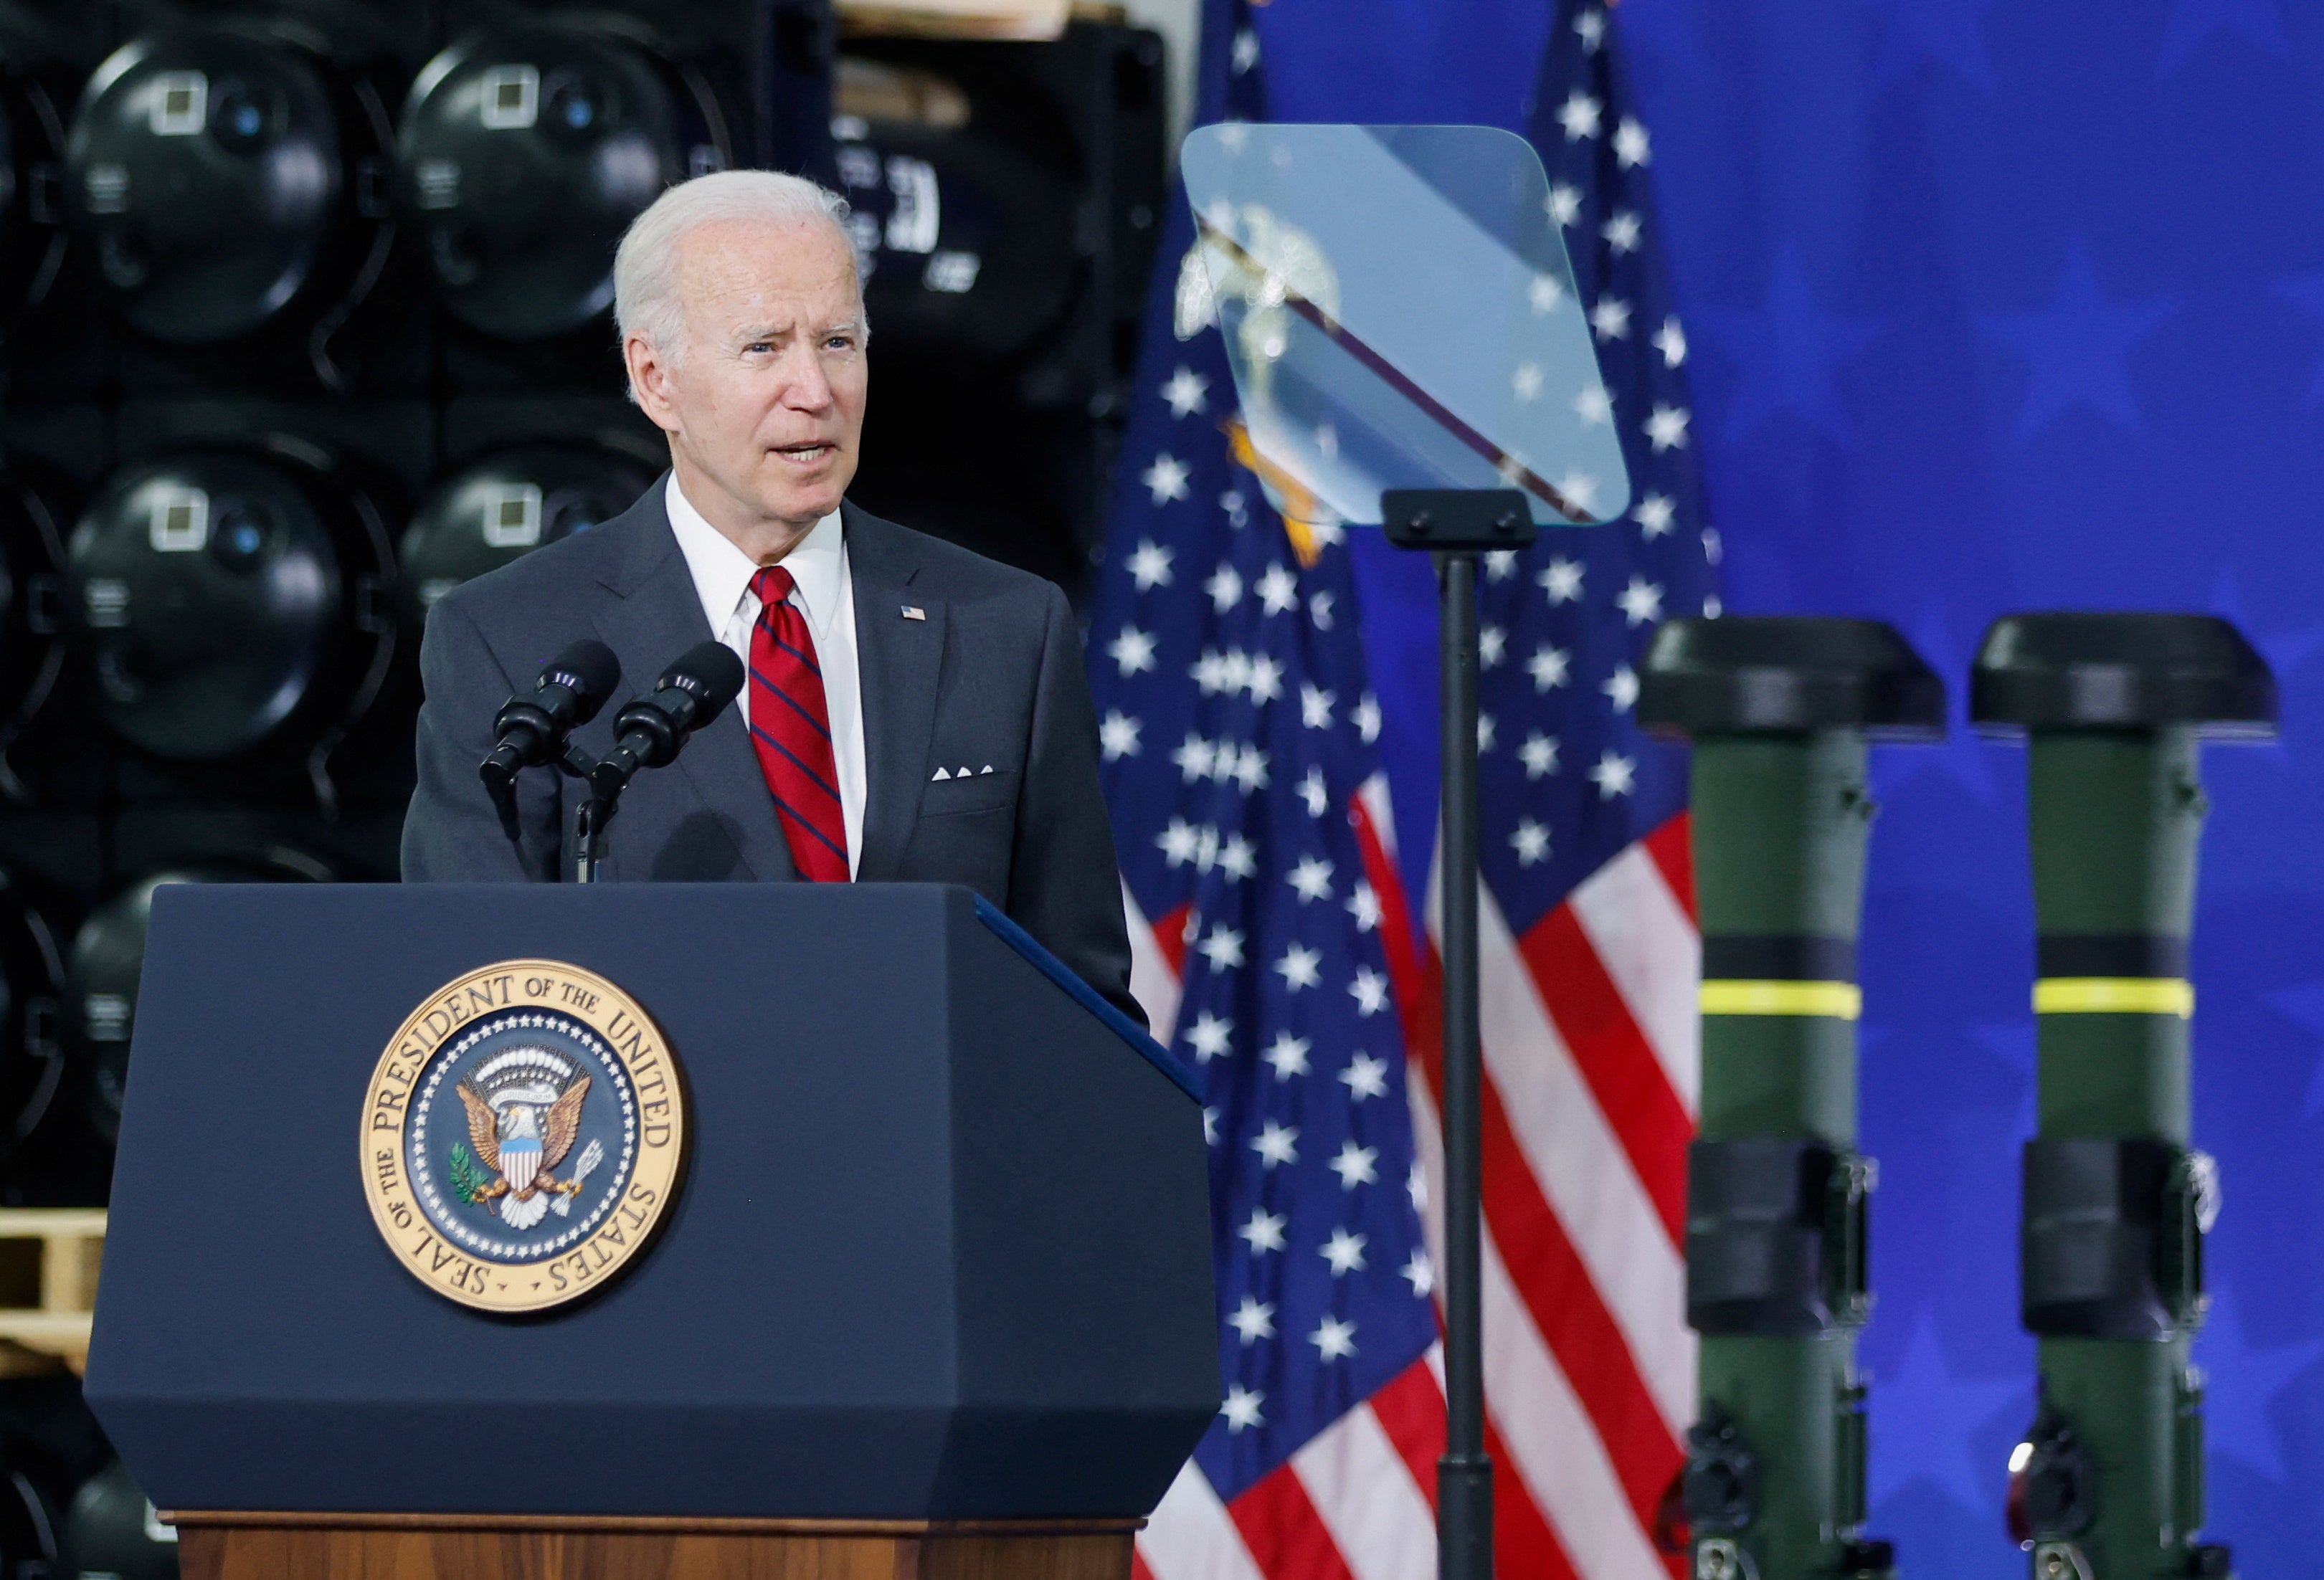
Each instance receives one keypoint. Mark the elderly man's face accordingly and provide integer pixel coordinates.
(764, 404)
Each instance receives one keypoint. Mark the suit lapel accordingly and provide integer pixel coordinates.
(899, 661)
(658, 617)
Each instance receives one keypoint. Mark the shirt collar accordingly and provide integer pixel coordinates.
(722, 572)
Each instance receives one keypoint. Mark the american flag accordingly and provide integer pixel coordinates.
(1237, 730)
(1273, 942)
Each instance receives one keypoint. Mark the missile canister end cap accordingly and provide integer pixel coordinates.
(1740, 674)
(2088, 670)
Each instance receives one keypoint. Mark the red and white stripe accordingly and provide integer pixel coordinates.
(1591, 1059)
(1358, 1503)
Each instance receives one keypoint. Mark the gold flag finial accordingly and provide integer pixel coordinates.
(1300, 506)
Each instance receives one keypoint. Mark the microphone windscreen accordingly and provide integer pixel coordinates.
(591, 674)
(717, 675)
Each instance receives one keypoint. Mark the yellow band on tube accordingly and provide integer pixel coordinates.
(2115, 995)
(1840, 1000)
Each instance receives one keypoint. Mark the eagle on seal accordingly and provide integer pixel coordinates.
(521, 1142)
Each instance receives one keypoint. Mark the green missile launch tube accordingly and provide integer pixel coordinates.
(1779, 712)
(2108, 1484)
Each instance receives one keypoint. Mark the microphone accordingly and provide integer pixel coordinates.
(690, 693)
(530, 732)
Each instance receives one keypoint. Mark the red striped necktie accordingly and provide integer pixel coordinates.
(791, 728)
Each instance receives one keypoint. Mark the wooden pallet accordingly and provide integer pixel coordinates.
(971, 19)
(48, 1260)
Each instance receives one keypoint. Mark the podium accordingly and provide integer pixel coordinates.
(933, 1297)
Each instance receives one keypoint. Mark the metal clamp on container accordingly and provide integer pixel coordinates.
(1775, 1236)
(1720, 1482)
(2113, 1236)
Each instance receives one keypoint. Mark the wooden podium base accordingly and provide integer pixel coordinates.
(455, 1547)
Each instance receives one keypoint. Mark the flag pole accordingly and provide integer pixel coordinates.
(1458, 526)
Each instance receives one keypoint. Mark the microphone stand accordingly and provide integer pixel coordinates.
(1459, 525)
(650, 737)
(590, 818)
(589, 821)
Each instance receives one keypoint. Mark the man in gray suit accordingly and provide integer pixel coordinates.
(914, 713)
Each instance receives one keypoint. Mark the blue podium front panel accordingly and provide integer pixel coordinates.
(941, 1248)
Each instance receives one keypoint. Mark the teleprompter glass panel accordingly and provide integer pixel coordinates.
(1399, 313)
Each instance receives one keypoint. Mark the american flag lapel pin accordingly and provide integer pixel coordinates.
(914, 612)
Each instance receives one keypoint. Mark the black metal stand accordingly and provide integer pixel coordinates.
(589, 822)
(594, 812)
(1458, 526)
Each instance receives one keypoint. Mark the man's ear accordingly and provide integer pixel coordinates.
(649, 381)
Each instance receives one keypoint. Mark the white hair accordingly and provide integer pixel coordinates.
(645, 267)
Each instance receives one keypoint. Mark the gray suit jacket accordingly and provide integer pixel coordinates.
(992, 674)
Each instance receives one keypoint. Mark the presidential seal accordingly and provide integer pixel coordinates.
(523, 1136)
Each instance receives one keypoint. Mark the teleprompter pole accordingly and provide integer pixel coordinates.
(1778, 712)
(2108, 1483)
(1464, 1476)
(1458, 526)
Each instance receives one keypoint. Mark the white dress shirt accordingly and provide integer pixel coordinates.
(824, 591)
